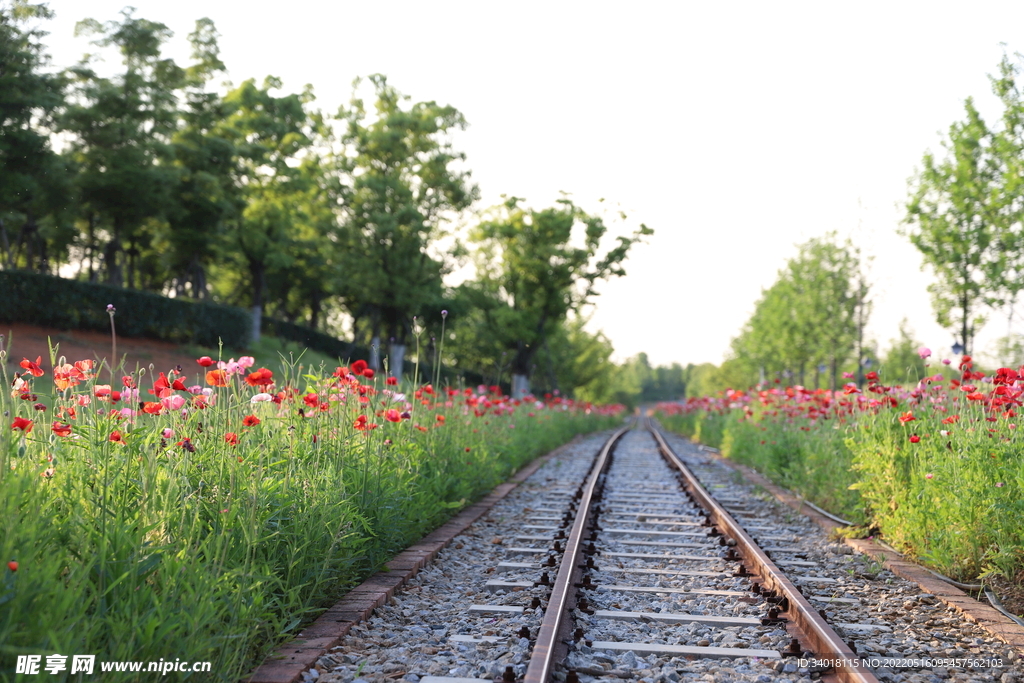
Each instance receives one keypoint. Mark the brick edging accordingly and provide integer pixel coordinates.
(287, 663)
(986, 616)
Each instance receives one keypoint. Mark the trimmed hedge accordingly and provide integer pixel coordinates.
(38, 299)
(310, 338)
(27, 297)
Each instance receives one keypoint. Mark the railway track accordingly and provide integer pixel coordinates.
(623, 565)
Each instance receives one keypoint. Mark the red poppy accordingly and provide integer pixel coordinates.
(914, 438)
(311, 400)
(12, 565)
(217, 378)
(116, 437)
(952, 419)
(61, 429)
(420, 427)
(128, 382)
(205, 361)
(33, 367)
(392, 415)
(440, 419)
(391, 381)
(161, 387)
(260, 378)
(907, 417)
(231, 438)
(250, 420)
(152, 407)
(67, 375)
(358, 367)
(178, 385)
(368, 373)
(22, 424)
(360, 423)
(871, 376)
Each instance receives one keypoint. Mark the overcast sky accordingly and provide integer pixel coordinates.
(734, 130)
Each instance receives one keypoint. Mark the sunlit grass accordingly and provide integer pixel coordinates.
(144, 536)
(936, 468)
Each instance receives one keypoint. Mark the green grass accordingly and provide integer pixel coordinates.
(937, 470)
(161, 548)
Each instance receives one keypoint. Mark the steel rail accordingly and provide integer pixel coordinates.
(541, 663)
(823, 641)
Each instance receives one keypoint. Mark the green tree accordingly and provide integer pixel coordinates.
(950, 219)
(271, 173)
(33, 179)
(530, 276)
(403, 181)
(902, 363)
(121, 129)
(812, 316)
(1006, 269)
(204, 195)
(577, 363)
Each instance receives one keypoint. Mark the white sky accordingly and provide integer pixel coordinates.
(734, 130)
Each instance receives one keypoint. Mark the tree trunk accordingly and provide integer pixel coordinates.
(258, 271)
(375, 341)
(396, 360)
(92, 247)
(314, 310)
(110, 254)
(963, 326)
(520, 385)
(375, 353)
(5, 244)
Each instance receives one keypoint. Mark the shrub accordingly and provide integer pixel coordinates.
(74, 305)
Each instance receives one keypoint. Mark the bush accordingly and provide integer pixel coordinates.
(74, 305)
(310, 338)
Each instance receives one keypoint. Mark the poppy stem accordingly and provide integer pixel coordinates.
(113, 341)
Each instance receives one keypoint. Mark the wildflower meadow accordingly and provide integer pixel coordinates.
(205, 512)
(935, 467)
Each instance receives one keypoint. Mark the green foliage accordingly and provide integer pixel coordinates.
(951, 224)
(813, 463)
(402, 181)
(903, 364)
(70, 304)
(33, 179)
(937, 470)
(530, 277)
(708, 379)
(812, 316)
(119, 132)
(310, 338)
(118, 534)
(954, 500)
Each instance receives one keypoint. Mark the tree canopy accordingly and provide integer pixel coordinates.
(531, 275)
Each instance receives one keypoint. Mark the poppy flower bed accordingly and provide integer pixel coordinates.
(251, 498)
(936, 468)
